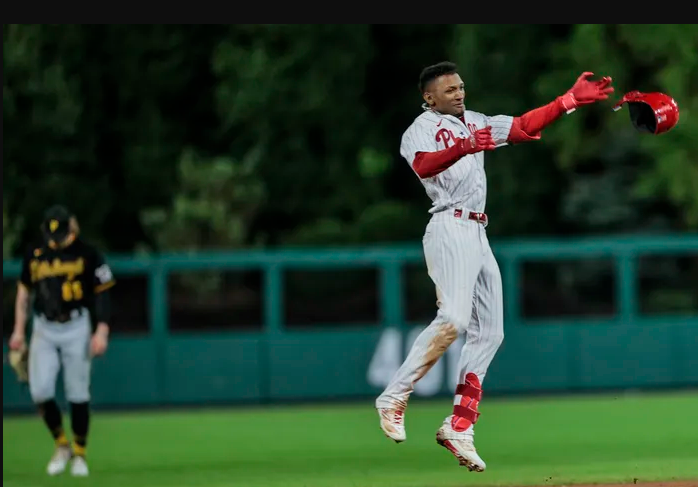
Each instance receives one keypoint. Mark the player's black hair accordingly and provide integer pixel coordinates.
(432, 72)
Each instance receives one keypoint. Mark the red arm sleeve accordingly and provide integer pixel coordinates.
(529, 125)
(429, 164)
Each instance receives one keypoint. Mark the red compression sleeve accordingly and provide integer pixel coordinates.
(428, 164)
(529, 125)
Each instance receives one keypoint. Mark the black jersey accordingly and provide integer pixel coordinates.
(65, 279)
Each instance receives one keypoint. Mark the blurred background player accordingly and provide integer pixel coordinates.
(68, 279)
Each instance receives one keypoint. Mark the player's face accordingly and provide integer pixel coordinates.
(446, 94)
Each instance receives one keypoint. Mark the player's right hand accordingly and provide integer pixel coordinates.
(480, 140)
(17, 341)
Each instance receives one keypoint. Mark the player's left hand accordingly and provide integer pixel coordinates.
(605, 82)
(98, 344)
(585, 91)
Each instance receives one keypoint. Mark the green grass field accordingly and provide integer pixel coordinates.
(551, 441)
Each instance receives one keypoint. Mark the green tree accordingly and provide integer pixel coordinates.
(500, 67)
(99, 118)
(42, 109)
(293, 95)
(211, 208)
(11, 228)
(212, 205)
(639, 57)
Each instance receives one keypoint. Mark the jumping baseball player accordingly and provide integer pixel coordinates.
(445, 146)
(69, 280)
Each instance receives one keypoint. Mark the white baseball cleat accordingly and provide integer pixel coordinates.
(78, 468)
(59, 460)
(462, 445)
(393, 423)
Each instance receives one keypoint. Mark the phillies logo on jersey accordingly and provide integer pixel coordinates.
(446, 137)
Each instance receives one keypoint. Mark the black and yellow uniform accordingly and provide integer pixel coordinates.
(70, 280)
(66, 280)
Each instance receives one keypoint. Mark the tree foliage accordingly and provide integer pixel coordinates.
(172, 136)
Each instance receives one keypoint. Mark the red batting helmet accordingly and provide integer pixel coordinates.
(654, 113)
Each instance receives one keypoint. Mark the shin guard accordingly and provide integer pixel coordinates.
(465, 404)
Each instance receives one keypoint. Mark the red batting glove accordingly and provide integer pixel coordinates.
(480, 140)
(585, 92)
(604, 82)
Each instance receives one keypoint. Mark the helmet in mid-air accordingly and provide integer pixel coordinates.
(654, 113)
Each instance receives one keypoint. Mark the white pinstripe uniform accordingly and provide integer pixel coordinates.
(458, 255)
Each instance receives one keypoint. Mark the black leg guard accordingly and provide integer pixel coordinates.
(51, 414)
(80, 418)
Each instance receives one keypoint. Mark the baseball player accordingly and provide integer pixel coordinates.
(69, 280)
(445, 147)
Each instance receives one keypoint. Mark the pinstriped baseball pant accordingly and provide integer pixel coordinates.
(468, 284)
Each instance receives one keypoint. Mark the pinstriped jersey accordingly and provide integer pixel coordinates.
(464, 184)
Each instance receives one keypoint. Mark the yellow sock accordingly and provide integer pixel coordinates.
(61, 440)
(79, 450)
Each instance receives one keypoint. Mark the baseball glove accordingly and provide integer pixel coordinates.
(19, 361)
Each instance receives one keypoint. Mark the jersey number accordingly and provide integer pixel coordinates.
(72, 291)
